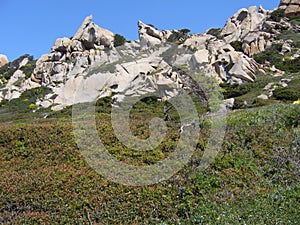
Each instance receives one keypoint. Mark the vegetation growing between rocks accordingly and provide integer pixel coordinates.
(8, 70)
(215, 32)
(272, 55)
(278, 14)
(237, 45)
(179, 37)
(119, 40)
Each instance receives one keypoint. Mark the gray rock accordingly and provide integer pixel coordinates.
(61, 45)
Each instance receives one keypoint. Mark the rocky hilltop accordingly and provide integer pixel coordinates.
(292, 7)
(92, 64)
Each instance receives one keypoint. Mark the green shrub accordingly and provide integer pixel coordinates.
(119, 40)
(236, 90)
(215, 32)
(271, 55)
(290, 35)
(286, 94)
(237, 45)
(292, 66)
(179, 37)
(28, 97)
(277, 14)
(295, 20)
(28, 68)
(185, 31)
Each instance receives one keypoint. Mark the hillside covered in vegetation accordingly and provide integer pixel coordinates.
(255, 77)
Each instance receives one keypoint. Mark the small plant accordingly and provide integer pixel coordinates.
(179, 37)
(237, 45)
(215, 32)
(119, 40)
(286, 94)
(32, 106)
(28, 68)
(277, 14)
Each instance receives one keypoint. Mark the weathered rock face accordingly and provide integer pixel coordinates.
(150, 36)
(254, 28)
(3, 60)
(292, 7)
(242, 23)
(92, 35)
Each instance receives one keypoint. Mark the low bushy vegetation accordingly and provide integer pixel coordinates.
(289, 93)
(179, 37)
(8, 70)
(119, 40)
(278, 14)
(273, 56)
(295, 20)
(22, 108)
(215, 32)
(253, 180)
(290, 35)
(245, 95)
(237, 45)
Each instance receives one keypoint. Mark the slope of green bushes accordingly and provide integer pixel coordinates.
(254, 179)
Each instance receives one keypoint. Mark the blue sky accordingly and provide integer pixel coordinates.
(33, 26)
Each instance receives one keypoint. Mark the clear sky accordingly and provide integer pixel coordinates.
(32, 26)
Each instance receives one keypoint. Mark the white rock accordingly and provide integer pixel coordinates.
(23, 62)
(229, 103)
(263, 96)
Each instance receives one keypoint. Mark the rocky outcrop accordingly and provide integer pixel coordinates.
(243, 22)
(248, 27)
(3, 60)
(292, 7)
(92, 35)
(221, 60)
(73, 54)
(150, 36)
(17, 83)
(87, 66)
